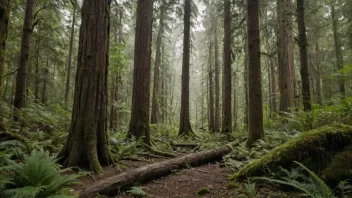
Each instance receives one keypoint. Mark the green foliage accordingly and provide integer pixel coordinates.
(304, 180)
(305, 148)
(137, 192)
(202, 191)
(248, 190)
(11, 148)
(345, 189)
(38, 176)
(123, 147)
(241, 155)
(232, 185)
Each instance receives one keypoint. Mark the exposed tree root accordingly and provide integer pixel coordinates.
(156, 152)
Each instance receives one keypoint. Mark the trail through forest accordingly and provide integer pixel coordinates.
(208, 180)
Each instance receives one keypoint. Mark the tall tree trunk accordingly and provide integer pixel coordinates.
(307, 105)
(235, 102)
(163, 96)
(156, 92)
(139, 123)
(87, 143)
(290, 48)
(245, 83)
(255, 105)
(318, 73)
(37, 75)
(70, 52)
(185, 128)
(211, 90)
(22, 70)
(338, 52)
(114, 97)
(285, 71)
(4, 21)
(273, 105)
(227, 119)
(45, 82)
(217, 73)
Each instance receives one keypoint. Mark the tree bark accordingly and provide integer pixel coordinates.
(139, 123)
(156, 93)
(112, 185)
(4, 21)
(285, 71)
(245, 82)
(227, 119)
(70, 53)
(87, 143)
(255, 101)
(317, 76)
(290, 48)
(36, 75)
(217, 73)
(22, 70)
(307, 105)
(211, 91)
(273, 104)
(185, 128)
(338, 52)
(235, 103)
(114, 98)
(45, 76)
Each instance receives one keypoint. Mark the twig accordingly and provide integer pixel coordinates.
(92, 177)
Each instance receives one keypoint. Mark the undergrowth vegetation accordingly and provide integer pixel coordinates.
(43, 131)
(37, 176)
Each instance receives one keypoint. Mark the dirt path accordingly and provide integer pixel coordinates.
(185, 183)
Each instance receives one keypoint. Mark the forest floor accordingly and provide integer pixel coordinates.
(185, 183)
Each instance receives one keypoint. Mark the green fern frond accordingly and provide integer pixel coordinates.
(322, 185)
(137, 191)
(24, 192)
(310, 185)
(38, 170)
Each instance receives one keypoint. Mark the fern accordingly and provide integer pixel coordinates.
(137, 191)
(38, 176)
(23, 192)
(12, 148)
(310, 186)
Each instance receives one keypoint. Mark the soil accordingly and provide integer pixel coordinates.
(186, 183)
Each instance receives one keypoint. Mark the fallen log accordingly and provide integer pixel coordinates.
(114, 184)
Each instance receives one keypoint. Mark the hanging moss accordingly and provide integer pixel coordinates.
(314, 149)
(340, 168)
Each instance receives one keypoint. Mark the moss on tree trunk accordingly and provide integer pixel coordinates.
(87, 144)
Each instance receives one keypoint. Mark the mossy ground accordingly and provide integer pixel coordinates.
(315, 149)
